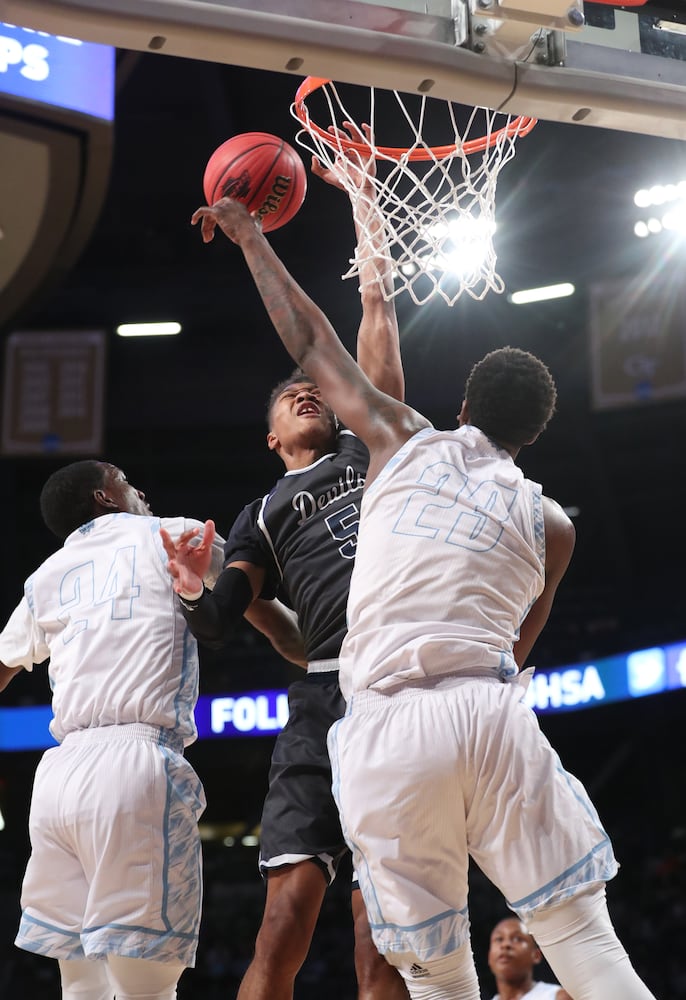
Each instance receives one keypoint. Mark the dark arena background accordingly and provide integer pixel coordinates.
(184, 417)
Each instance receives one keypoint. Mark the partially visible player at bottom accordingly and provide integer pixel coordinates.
(437, 758)
(299, 541)
(512, 957)
(115, 868)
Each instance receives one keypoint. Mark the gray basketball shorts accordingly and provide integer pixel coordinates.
(300, 818)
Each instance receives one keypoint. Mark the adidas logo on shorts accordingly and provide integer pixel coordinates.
(418, 971)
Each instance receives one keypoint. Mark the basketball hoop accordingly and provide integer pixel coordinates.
(438, 206)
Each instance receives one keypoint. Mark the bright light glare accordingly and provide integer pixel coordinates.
(2, 822)
(437, 231)
(460, 229)
(659, 194)
(460, 261)
(250, 840)
(641, 230)
(542, 294)
(148, 329)
(461, 244)
(675, 219)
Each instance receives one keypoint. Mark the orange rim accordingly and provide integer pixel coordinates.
(518, 126)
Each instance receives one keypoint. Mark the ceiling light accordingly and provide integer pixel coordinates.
(148, 329)
(659, 194)
(675, 219)
(541, 294)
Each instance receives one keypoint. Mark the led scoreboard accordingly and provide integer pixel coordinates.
(56, 71)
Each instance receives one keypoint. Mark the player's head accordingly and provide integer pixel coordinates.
(297, 415)
(76, 493)
(510, 395)
(512, 952)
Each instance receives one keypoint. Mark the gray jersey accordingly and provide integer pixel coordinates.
(103, 610)
(427, 597)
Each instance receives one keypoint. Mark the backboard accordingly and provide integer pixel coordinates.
(600, 64)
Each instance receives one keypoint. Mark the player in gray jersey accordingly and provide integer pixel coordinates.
(299, 542)
(115, 866)
(437, 758)
(512, 958)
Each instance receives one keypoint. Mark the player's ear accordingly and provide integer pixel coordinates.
(273, 442)
(102, 500)
(463, 415)
(536, 955)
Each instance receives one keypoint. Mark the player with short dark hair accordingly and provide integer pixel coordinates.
(66, 500)
(437, 758)
(115, 868)
(299, 542)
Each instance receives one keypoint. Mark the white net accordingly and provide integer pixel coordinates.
(437, 202)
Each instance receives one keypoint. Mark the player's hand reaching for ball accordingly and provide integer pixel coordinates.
(189, 557)
(230, 215)
(351, 170)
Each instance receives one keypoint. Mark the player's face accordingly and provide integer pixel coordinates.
(128, 499)
(299, 413)
(512, 951)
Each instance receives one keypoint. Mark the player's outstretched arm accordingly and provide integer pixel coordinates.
(212, 616)
(380, 421)
(378, 339)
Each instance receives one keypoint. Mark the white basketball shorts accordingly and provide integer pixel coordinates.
(427, 776)
(115, 866)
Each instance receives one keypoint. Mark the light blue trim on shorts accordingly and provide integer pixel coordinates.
(42, 938)
(177, 939)
(598, 865)
(434, 937)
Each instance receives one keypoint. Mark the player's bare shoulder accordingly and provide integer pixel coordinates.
(392, 424)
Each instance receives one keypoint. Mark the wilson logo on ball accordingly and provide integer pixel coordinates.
(273, 200)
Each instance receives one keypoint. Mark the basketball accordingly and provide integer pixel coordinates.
(263, 172)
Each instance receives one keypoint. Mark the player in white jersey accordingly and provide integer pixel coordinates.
(115, 866)
(512, 958)
(437, 757)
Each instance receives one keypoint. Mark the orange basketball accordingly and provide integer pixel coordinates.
(263, 172)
